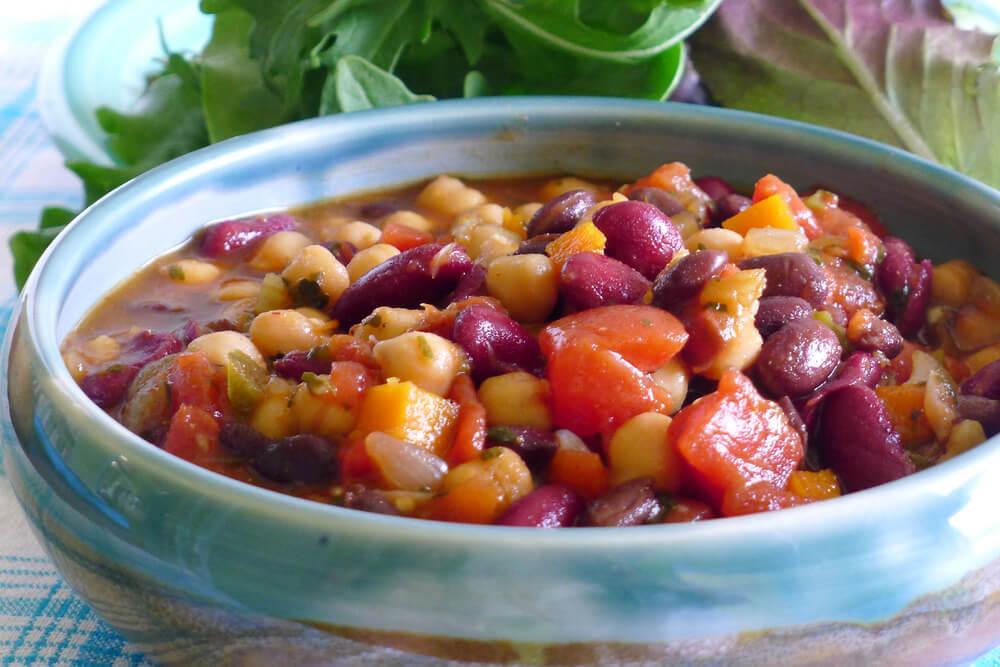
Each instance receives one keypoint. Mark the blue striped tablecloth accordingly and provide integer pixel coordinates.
(42, 622)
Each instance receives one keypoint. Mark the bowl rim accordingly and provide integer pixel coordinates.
(821, 517)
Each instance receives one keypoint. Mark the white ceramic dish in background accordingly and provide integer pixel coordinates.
(105, 60)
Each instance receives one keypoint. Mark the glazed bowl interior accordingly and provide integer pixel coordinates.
(851, 559)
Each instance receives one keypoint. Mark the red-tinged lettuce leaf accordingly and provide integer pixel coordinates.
(898, 72)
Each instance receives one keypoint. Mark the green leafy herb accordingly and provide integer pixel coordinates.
(309, 294)
(175, 272)
(425, 347)
(501, 435)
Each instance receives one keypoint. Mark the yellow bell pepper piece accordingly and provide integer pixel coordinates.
(770, 212)
(582, 238)
(405, 411)
(821, 485)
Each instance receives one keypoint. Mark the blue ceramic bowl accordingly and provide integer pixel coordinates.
(195, 568)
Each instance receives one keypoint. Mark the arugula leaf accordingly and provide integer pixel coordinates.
(27, 246)
(906, 77)
(372, 29)
(357, 84)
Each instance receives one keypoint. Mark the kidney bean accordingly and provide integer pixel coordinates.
(561, 213)
(729, 206)
(984, 410)
(659, 198)
(775, 312)
(638, 234)
(985, 382)
(343, 251)
(548, 506)
(589, 280)
(913, 315)
(495, 342)
(188, 331)
(410, 278)
(892, 275)
(882, 337)
(860, 368)
(793, 274)
(294, 364)
(374, 210)
(684, 280)
(860, 443)
(472, 283)
(368, 500)
(536, 244)
(715, 187)
(533, 445)
(226, 238)
(798, 358)
(107, 388)
(631, 503)
(298, 458)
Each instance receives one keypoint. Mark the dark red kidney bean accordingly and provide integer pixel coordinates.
(410, 278)
(242, 439)
(343, 251)
(860, 443)
(374, 210)
(590, 280)
(368, 500)
(188, 331)
(147, 346)
(882, 337)
(640, 235)
(914, 313)
(226, 238)
(561, 213)
(861, 368)
(302, 458)
(495, 342)
(715, 187)
(472, 283)
(536, 244)
(984, 410)
(631, 503)
(729, 206)
(548, 506)
(798, 358)
(793, 274)
(659, 198)
(533, 445)
(892, 275)
(294, 364)
(775, 312)
(107, 388)
(985, 382)
(684, 280)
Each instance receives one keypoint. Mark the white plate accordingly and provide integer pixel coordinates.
(104, 61)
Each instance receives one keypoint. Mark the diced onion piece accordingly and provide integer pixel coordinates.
(405, 466)
(566, 439)
(940, 403)
(923, 364)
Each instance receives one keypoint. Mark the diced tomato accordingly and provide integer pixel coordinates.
(709, 331)
(193, 435)
(194, 381)
(583, 472)
(858, 210)
(594, 390)
(470, 432)
(760, 496)
(355, 464)
(350, 380)
(772, 185)
(404, 238)
(644, 336)
(733, 438)
(675, 178)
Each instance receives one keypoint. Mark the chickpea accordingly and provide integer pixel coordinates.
(317, 411)
(278, 250)
(558, 186)
(217, 346)
(192, 272)
(368, 259)
(673, 377)
(273, 415)
(526, 285)
(518, 399)
(385, 323)
(449, 196)
(639, 448)
(282, 331)
(410, 219)
(489, 241)
(234, 290)
(100, 349)
(360, 234)
(519, 218)
(318, 264)
(500, 467)
(739, 352)
(425, 359)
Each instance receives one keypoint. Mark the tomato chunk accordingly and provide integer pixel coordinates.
(404, 238)
(193, 435)
(644, 336)
(470, 431)
(594, 390)
(733, 438)
(772, 185)
(759, 497)
(195, 381)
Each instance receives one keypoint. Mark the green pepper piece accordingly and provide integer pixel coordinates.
(245, 381)
(273, 294)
